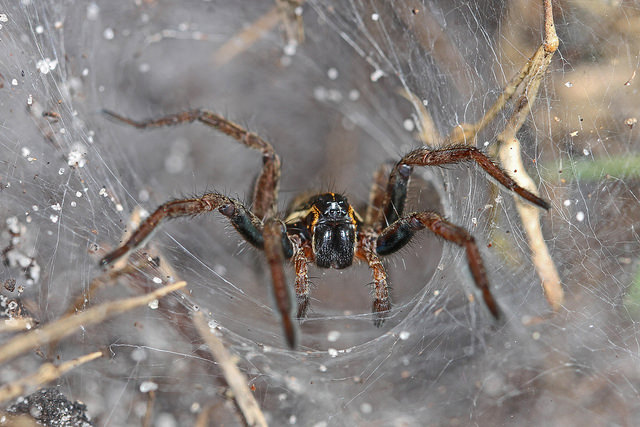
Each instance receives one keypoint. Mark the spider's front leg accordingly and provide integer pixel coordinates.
(367, 252)
(265, 192)
(398, 234)
(302, 257)
(243, 220)
(396, 193)
(277, 247)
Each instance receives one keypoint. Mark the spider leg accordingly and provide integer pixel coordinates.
(276, 247)
(377, 194)
(425, 156)
(382, 302)
(303, 255)
(265, 192)
(402, 230)
(243, 220)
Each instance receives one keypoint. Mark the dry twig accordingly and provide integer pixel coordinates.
(68, 325)
(236, 380)
(46, 373)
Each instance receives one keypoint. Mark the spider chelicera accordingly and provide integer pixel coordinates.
(324, 228)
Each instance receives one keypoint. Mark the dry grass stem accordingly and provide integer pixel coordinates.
(247, 37)
(148, 416)
(429, 134)
(17, 324)
(68, 325)
(236, 379)
(530, 216)
(47, 372)
(509, 152)
(13, 420)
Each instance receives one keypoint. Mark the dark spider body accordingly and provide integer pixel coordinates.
(323, 228)
(329, 222)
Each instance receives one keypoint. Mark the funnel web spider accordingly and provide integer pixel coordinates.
(324, 228)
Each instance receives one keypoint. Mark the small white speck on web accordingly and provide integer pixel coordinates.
(212, 324)
(78, 193)
(580, 216)
(46, 65)
(77, 157)
(404, 335)
(153, 304)
(39, 29)
(567, 202)
(409, 125)
(93, 10)
(157, 280)
(568, 84)
(61, 171)
(332, 73)
(586, 152)
(320, 93)
(377, 75)
(354, 95)
(30, 99)
(138, 354)
(53, 218)
(56, 207)
(375, 16)
(108, 33)
(290, 48)
(220, 269)
(144, 67)
(322, 368)
(332, 352)
(14, 82)
(366, 408)
(147, 386)
(333, 336)
(293, 419)
(4, 17)
(25, 152)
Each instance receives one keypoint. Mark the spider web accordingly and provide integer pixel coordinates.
(335, 106)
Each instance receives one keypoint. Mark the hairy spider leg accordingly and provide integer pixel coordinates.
(302, 257)
(242, 219)
(425, 156)
(377, 195)
(276, 247)
(398, 234)
(367, 251)
(265, 192)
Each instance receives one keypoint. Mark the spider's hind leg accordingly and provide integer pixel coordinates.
(398, 234)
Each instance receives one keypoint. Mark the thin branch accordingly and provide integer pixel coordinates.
(66, 326)
(46, 373)
(236, 379)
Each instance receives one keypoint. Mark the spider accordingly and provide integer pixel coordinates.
(324, 228)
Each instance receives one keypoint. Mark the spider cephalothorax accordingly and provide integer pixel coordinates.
(323, 228)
